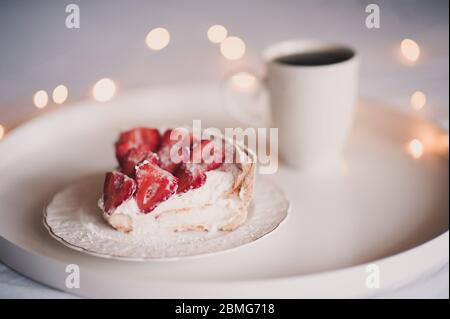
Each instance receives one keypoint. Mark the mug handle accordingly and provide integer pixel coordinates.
(246, 98)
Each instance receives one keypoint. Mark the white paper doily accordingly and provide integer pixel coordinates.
(73, 218)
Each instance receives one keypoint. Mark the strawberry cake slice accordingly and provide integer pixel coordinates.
(176, 182)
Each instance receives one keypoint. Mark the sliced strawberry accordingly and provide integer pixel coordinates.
(209, 154)
(190, 176)
(164, 159)
(134, 157)
(141, 137)
(175, 149)
(117, 188)
(154, 185)
(206, 156)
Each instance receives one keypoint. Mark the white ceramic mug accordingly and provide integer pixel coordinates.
(312, 88)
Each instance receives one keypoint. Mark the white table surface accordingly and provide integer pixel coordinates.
(37, 52)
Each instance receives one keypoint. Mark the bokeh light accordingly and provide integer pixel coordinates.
(418, 100)
(60, 94)
(415, 148)
(217, 33)
(104, 90)
(232, 48)
(410, 50)
(40, 99)
(244, 81)
(157, 39)
(2, 131)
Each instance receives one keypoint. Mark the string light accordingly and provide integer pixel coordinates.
(418, 100)
(410, 50)
(415, 148)
(60, 94)
(104, 90)
(157, 39)
(2, 131)
(232, 48)
(217, 33)
(40, 99)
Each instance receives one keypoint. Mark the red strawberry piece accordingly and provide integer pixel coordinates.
(165, 162)
(141, 137)
(117, 188)
(175, 148)
(206, 156)
(154, 185)
(190, 176)
(134, 157)
(209, 154)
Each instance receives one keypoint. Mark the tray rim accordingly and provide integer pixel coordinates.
(15, 259)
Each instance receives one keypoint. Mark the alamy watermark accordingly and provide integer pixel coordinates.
(73, 277)
(73, 17)
(373, 278)
(373, 17)
(261, 143)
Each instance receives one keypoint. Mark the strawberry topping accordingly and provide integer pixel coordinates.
(209, 154)
(206, 156)
(134, 157)
(190, 176)
(154, 185)
(175, 148)
(179, 164)
(117, 188)
(143, 138)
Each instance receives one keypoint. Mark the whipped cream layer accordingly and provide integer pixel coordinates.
(208, 208)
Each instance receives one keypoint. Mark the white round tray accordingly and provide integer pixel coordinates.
(386, 209)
